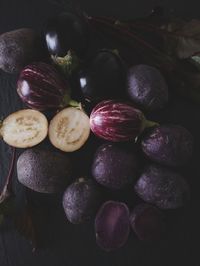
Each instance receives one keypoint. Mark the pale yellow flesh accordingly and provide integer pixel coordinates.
(25, 128)
(69, 129)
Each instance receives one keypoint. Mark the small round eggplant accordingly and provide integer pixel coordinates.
(170, 145)
(117, 121)
(162, 187)
(41, 87)
(147, 87)
(65, 32)
(112, 225)
(147, 222)
(81, 200)
(114, 167)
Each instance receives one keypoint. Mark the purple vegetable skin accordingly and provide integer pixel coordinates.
(162, 187)
(112, 225)
(81, 200)
(170, 145)
(147, 87)
(114, 167)
(147, 222)
(41, 87)
(117, 121)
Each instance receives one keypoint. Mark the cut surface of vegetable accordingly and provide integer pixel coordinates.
(24, 128)
(69, 129)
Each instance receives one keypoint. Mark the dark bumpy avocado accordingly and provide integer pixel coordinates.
(44, 171)
(19, 48)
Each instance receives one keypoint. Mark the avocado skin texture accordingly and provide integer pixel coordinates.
(44, 171)
(18, 48)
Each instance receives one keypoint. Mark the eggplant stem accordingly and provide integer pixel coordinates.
(7, 189)
(67, 102)
(74, 103)
(68, 63)
(149, 123)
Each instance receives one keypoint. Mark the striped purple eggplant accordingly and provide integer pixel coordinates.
(117, 121)
(41, 87)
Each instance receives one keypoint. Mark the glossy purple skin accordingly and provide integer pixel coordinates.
(147, 87)
(147, 222)
(41, 87)
(170, 145)
(116, 121)
(103, 77)
(162, 187)
(114, 167)
(112, 225)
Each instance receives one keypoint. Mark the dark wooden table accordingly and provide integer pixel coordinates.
(63, 243)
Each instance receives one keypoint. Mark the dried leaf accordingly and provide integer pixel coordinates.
(182, 38)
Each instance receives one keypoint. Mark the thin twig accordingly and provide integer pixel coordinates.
(7, 189)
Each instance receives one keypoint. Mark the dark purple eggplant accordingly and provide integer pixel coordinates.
(103, 77)
(112, 225)
(170, 145)
(117, 121)
(41, 87)
(114, 166)
(147, 87)
(147, 222)
(162, 187)
(66, 32)
(81, 200)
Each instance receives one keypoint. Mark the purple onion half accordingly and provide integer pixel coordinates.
(117, 121)
(41, 87)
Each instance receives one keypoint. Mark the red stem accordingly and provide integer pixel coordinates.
(145, 26)
(125, 32)
(7, 189)
(131, 36)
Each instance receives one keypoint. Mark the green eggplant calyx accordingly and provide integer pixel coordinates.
(67, 64)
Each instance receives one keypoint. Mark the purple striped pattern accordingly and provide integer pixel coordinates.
(41, 87)
(116, 121)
